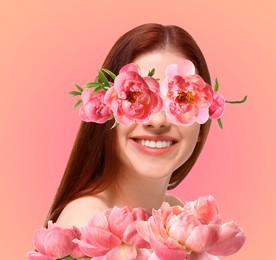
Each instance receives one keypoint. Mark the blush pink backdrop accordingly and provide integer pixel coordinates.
(47, 46)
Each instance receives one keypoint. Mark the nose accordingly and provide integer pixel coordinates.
(157, 120)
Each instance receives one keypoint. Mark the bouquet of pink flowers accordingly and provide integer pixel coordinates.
(192, 232)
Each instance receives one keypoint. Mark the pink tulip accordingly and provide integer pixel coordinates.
(113, 235)
(188, 97)
(217, 107)
(231, 239)
(93, 108)
(133, 98)
(55, 242)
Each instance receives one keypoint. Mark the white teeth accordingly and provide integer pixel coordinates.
(155, 144)
(152, 144)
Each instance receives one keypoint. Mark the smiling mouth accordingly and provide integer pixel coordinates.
(154, 144)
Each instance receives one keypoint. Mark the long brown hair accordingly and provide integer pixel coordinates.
(93, 162)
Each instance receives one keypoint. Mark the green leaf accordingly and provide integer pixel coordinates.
(96, 79)
(237, 101)
(79, 88)
(115, 124)
(103, 78)
(139, 69)
(74, 93)
(67, 258)
(151, 72)
(93, 84)
(110, 73)
(220, 123)
(216, 85)
(78, 103)
(97, 89)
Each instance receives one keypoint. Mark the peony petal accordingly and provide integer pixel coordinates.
(143, 230)
(181, 227)
(33, 255)
(99, 237)
(129, 67)
(140, 214)
(206, 209)
(58, 244)
(203, 116)
(185, 67)
(154, 257)
(202, 238)
(133, 238)
(122, 252)
(181, 114)
(143, 254)
(231, 239)
(119, 219)
(163, 252)
(157, 103)
(217, 107)
(171, 70)
(201, 256)
(99, 221)
(90, 250)
(86, 94)
(38, 239)
(153, 84)
(119, 82)
(164, 87)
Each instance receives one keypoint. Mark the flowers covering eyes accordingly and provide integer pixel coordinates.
(192, 232)
(131, 98)
(188, 97)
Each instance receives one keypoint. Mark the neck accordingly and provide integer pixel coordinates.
(136, 192)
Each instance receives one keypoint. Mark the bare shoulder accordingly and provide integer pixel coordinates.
(78, 212)
(173, 200)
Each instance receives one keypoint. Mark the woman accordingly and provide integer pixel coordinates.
(118, 166)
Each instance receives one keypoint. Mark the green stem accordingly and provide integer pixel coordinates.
(237, 101)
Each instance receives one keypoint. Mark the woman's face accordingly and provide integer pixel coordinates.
(155, 148)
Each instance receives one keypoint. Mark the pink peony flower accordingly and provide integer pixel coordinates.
(217, 107)
(173, 233)
(188, 97)
(93, 108)
(113, 235)
(191, 232)
(133, 98)
(55, 242)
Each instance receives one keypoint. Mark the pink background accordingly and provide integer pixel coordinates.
(47, 46)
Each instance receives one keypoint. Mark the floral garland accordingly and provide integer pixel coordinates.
(192, 232)
(131, 98)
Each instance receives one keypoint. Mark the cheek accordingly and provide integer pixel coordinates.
(191, 132)
(191, 137)
(121, 138)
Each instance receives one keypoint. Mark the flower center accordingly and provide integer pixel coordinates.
(132, 96)
(184, 97)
